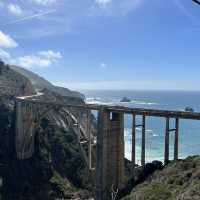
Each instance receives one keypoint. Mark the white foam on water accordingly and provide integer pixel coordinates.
(138, 129)
(147, 130)
(151, 155)
(143, 102)
(98, 100)
(155, 135)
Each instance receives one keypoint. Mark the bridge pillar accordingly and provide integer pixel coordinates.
(24, 130)
(110, 154)
(166, 153)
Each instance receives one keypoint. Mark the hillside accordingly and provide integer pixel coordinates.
(177, 181)
(13, 83)
(40, 83)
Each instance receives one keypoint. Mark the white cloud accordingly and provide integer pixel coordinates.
(14, 9)
(33, 61)
(4, 54)
(6, 41)
(103, 3)
(44, 2)
(103, 65)
(50, 54)
(41, 59)
(114, 8)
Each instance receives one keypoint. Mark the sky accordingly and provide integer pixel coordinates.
(105, 44)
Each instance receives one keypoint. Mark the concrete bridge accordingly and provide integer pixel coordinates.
(108, 140)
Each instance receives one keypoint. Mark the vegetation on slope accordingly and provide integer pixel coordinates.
(57, 169)
(177, 181)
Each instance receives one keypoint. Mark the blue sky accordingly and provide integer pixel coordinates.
(105, 44)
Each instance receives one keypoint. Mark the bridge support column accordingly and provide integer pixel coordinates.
(166, 153)
(133, 142)
(24, 130)
(143, 141)
(110, 154)
(176, 139)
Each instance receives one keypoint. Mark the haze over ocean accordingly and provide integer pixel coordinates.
(189, 143)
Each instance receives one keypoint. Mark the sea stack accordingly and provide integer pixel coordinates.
(125, 100)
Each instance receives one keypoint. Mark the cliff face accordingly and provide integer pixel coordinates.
(13, 83)
(57, 169)
(177, 181)
(40, 83)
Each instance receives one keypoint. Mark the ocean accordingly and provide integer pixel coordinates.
(189, 134)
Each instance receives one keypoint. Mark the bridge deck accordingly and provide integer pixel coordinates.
(126, 110)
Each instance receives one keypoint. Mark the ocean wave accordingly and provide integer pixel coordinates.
(147, 130)
(137, 102)
(155, 135)
(143, 102)
(128, 133)
(150, 154)
(92, 98)
(95, 101)
(98, 100)
(129, 130)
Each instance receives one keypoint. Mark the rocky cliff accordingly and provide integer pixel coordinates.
(14, 84)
